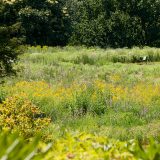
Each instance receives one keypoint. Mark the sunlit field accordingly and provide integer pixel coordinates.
(89, 94)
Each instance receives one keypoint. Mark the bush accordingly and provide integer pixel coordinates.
(20, 115)
(86, 146)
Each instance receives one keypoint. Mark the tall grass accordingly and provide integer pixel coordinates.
(91, 89)
(94, 56)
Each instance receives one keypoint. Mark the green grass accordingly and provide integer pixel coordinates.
(64, 66)
(68, 64)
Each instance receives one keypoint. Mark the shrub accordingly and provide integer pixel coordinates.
(20, 115)
(76, 146)
(86, 146)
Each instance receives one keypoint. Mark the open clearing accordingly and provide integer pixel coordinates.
(108, 92)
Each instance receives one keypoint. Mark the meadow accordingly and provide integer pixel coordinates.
(100, 95)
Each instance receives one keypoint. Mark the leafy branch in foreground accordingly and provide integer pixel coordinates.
(76, 146)
(13, 147)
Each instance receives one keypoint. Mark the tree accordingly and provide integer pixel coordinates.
(9, 41)
(104, 23)
(124, 30)
(115, 23)
(88, 21)
(45, 22)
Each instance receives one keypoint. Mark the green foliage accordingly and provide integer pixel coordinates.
(14, 147)
(45, 22)
(9, 42)
(102, 23)
(114, 23)
(86, 146)
(88, 23)
(151, 152)
(77, 146)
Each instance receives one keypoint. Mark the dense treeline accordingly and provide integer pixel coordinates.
(115, 23)
(111, 23)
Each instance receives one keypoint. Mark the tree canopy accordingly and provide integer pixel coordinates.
(110, 23)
